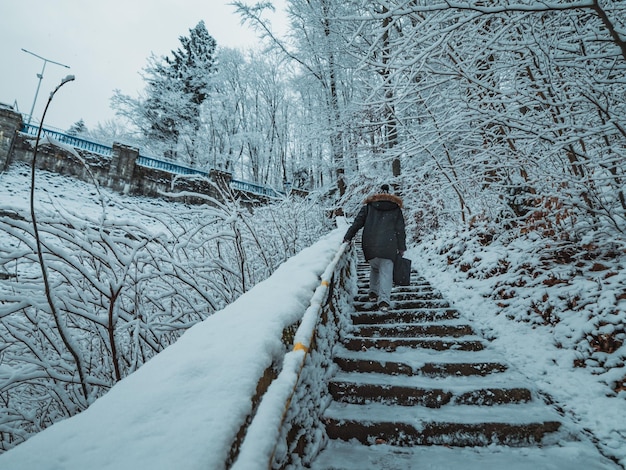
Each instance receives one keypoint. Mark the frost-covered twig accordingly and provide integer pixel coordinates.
(62, 328)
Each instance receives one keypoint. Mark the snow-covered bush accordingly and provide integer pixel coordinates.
(575, 287)
(128, 277)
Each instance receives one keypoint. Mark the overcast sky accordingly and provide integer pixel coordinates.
(106, 43)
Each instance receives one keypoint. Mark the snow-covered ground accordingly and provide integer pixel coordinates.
(182, 409)
(540, 352)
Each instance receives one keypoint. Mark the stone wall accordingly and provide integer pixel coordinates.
(10, 123)
(118, 172)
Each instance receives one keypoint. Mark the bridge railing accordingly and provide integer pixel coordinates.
(170, 167)
(149, 162)
(78, 142)
(296, 399)
(254, 188)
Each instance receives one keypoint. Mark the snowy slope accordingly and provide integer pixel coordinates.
(181, 409)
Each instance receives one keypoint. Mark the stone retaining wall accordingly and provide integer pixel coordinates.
(118, 172)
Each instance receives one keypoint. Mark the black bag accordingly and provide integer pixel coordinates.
(401, 271)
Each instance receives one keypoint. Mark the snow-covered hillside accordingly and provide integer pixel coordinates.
(559, 321)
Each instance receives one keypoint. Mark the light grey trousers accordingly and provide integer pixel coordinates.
(381, 278)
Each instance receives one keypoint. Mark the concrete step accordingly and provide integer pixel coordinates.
(417, 285)
(402, 295)
(414, 303)
(408, 330)
(341, 455)
(404, 316)
(462, 389)
(427, 369)
(355, 343)
(459, 425)
(364, 393)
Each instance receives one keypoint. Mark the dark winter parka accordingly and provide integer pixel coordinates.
(383, 226)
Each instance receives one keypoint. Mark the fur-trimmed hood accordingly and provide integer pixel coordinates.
(384, 197)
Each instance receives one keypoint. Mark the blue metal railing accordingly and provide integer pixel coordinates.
(150, 162)
(254, 188)
(170, 167)
(94, 147)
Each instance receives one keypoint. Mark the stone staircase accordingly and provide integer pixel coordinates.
(418, 388)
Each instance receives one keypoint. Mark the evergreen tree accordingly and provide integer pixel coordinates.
(193, 65)
(78, 128)
(176, 87)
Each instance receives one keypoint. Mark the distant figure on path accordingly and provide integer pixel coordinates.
(384, 237)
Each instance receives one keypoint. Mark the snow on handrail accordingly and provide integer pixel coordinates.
(261, 442)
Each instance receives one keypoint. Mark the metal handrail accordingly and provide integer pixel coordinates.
(89, 145)
(149, 162)
(254, 188)
(170, 167)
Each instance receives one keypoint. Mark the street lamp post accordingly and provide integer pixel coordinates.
(40, 77)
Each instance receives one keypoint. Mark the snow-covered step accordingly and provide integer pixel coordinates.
(357, 343)
(424, 294)
(429, 369)
(405, 294)
(357, 387)
(417, 284)
(414, 303)
(361, 393)
(417, 358)
(403, 316)
(425, 363)
(536, 411)
(408, 330)
(399, 291)
(456, 383)
(340, 455)
(459, 425)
